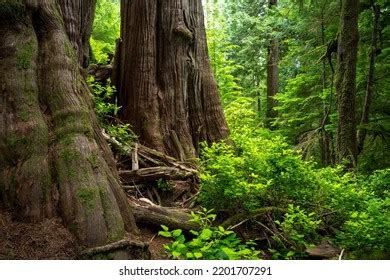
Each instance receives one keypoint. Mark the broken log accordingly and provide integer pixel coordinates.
(101, 73)
(174, 218)
(151, 174)
(157, 158)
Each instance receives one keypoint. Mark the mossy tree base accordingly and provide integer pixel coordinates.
(53, 159)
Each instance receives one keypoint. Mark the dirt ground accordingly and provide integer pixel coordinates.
(156, 244)
(46, 240)
(51, 240)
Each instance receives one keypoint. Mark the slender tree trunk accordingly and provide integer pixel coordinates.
(346, 82)
(272, 74)
(362, 133)
(326, 137)
(53, 159)
(166, 87)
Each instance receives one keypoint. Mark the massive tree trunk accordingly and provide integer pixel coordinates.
(78, 19)
(53, 159)
(362, 133)
(346, 82)
(166, 87)
(272, 73)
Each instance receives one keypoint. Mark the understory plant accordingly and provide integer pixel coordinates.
(107, 111)
(207, 243)
(259, 169)
(298, 231)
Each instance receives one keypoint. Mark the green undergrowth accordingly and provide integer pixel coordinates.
(207, 243)
(107, 112)
(260, 169)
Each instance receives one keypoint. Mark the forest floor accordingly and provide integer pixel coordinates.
(156, 244)
(51, 240)
(46, 240)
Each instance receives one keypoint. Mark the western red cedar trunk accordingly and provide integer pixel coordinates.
(53, 158)
(346, 82)
(272, 73)
(166, 87)
(78, 19)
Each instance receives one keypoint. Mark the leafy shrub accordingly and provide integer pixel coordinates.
(298, 232)
(209, 243)
(102, 95)
(106, 29)
(368, 229)
(379, 183)
(107, 112)
(259, 169)
(254, 173)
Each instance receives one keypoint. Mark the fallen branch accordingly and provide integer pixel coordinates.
(101, 73)
(173, 218)
(133, 187)
(128, 246)
(148, 156)
(157, 158)
(238, 218)
(151, 174)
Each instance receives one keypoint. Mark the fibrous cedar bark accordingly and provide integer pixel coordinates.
(78, 19)
(346, 82)
(166, 88)
(53, 159)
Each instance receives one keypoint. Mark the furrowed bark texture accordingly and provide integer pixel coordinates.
(53, 159)
(346, 82)
(78, 19)
(166, 87)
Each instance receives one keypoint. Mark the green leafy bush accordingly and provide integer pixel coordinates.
(368, 228)
(107, 112)
(102, 95)
(254, 173)
(106, 29)
(259, 169)
(298, 231)
(209, 243)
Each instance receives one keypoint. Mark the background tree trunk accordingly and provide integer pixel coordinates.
(346, 82)
(272, 73)
(166, 86)
(326, 136)
(362, 133)
(53, 159)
